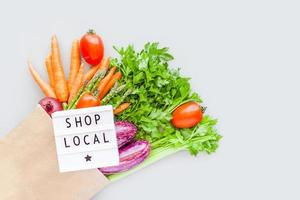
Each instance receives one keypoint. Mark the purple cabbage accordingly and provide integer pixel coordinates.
(125, 132)
(130, 156)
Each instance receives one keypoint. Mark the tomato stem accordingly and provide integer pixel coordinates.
(91, 31)
(203, 108)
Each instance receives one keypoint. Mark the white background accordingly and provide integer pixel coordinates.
(243, 57)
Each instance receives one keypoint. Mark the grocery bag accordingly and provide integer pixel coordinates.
(29, 168)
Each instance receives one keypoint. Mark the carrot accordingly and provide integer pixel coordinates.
(121, 108)
(77, 83)
(49, 70)
(60, 86)
(46, 88)
(90, 73)
(117, 76)
(103, 64)
(106, 79)
(75, 63)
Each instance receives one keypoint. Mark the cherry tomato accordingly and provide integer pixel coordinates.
(187, 115)
(88, 100)
(91, 48)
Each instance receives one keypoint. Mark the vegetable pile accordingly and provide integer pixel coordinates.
(158, 95)
(157, 113)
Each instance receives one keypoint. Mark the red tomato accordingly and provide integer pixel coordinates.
(88, 100)
(187, 115)
(91, 48)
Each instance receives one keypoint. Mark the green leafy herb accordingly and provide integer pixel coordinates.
(156, 90)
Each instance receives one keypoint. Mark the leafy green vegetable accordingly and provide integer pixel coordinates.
(155, 91)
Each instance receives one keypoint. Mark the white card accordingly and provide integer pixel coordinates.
(85, 138)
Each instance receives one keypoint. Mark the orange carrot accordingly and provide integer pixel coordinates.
(46, 88)
(90, 73)
(75, 63)
(106, 79)
(117, 76)
(121, 108)
(78, 82)
(103, 64)
(61, 86)
(49, 70)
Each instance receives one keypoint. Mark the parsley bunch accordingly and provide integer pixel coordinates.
(155, 91)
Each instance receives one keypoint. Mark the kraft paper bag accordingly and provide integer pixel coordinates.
(29, 167)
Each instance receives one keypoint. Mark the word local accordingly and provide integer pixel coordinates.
(86, 139)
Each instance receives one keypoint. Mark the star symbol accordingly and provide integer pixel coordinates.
(88, 158)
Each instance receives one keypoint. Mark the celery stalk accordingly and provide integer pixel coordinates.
(154, 156)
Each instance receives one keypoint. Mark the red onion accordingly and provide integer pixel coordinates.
(50, 105)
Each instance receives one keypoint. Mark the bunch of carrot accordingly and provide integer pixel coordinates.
(98, 80)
